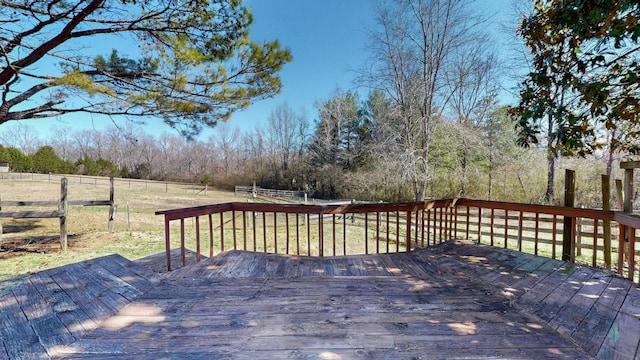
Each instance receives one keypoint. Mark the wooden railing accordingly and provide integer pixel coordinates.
(312, 230)
(579, 235)
(587, 236)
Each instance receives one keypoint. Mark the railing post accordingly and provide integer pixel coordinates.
(167, 241)
(567, 230)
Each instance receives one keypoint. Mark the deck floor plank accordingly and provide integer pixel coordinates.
(453, 300)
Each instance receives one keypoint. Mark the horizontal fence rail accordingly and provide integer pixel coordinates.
(588, 236)
(259, 191)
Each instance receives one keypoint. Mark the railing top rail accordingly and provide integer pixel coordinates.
(174, 214)
(544, 209)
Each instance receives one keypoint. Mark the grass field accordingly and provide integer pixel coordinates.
(30, 245)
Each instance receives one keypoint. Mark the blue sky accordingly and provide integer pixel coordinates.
(328, 41)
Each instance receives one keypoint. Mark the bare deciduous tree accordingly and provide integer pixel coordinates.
(413, 41)
(286, 134)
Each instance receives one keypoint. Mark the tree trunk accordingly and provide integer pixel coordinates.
(465, 166)
(551, 174)
(551, 164)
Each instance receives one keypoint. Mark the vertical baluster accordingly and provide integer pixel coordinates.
(344, 234)
(366, 233)
(536, 235)
(632, 253)
(573, 238)
(422, 230)
(308, 235)
(468, 221)
(233, 225)
(182, 251)
(446, 222)
(377, 232)
(621, 244)
(254, 218)
(506, 227)
(520, 216)
(210, 235)
(275, 232)
(264, 231)
(334, 233)
(287, 225)
(493, 213)
(167, 240)
(198, 238)
(440, 227)
(554, 227)
(595, 243)
(408, 242)
(429, 228)
(297, 234)
(415, 238)
(221, 232)
(455, 224)
(321, 233)
(479, 224)
(397, 231)
(387, 236)
(244, 229)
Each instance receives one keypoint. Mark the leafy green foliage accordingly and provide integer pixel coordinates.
(47, 161)
(585, 77)
(195, 64)
(101, 167)
(18, 161)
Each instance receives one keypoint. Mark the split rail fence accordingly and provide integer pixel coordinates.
(572, 234)
(61, 212)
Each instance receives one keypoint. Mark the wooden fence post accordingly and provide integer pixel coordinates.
(112, 210)
(606, 225)
(619, 194)
(62, 206)
(567, 230)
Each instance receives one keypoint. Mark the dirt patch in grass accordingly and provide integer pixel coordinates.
(47, 244)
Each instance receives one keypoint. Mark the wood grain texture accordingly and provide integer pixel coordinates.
(454, 300)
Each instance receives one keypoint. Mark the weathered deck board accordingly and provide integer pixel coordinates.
(455, 300)
(389, 316)
(56, 307)
(561, 294)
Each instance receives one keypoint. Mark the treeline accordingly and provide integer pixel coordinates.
(349, 151)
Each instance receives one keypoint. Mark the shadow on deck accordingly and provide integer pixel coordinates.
(455, 300)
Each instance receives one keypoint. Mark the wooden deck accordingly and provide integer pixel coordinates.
(455, 300)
